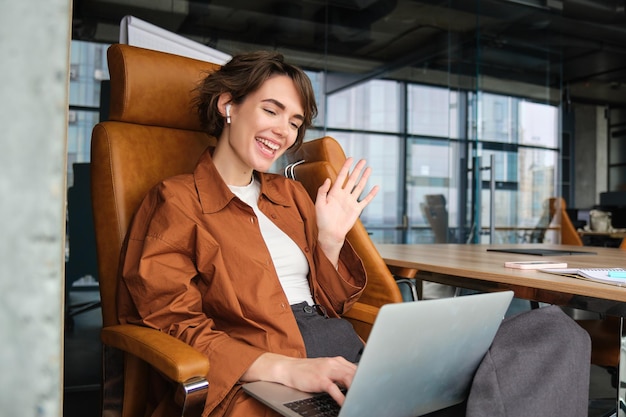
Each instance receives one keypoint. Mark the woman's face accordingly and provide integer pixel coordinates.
(263, 126)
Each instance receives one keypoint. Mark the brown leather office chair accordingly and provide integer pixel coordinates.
(153, 133)
(559, 216)
(322, 158)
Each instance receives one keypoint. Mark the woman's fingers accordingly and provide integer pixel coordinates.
(353, 182)
(322, 375)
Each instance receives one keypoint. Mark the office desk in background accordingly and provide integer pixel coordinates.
(473, 267)
(607, 239)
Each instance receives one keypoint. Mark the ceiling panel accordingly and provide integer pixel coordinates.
(578, 45)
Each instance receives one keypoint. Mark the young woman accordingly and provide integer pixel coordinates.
(240, 264)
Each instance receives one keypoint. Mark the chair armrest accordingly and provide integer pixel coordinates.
(362, 312)
(172, 357)
(406, 276)
(362, 317)
(402, 272)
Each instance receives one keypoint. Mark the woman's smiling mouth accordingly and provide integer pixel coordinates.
(269, 145)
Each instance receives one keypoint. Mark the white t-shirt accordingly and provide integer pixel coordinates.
(291, 265)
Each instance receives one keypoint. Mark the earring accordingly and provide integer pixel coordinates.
(228, 113)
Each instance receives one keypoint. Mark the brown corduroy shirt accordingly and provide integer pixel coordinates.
(196, 266)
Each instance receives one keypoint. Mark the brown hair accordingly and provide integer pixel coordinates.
(244, 74)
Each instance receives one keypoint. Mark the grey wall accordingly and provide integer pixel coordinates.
(34, 51)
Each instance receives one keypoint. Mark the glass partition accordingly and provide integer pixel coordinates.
(466, 88)
(482, 94)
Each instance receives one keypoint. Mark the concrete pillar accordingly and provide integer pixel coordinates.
(34, 50)
(591, 154)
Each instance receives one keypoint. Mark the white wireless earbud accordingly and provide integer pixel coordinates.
(228, 113)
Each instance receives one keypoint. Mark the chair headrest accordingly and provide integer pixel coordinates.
(322, 149)
(154, 88)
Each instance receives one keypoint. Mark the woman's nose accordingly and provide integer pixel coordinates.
(282, 127)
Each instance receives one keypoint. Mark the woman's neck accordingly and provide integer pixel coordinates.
(230, 167)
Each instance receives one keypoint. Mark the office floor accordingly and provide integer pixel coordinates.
(83, 369)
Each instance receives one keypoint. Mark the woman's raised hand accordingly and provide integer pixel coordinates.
(339, 205)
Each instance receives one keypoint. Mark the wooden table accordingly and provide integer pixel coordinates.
(615, 235)
(473, 267)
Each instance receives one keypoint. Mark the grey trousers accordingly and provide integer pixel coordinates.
(538, 365)
(326, 337)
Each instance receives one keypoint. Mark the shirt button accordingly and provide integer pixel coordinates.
(252, 220)
(307, 249)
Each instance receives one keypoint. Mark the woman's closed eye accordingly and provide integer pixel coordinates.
(270, 111)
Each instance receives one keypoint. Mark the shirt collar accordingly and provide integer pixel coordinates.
(214, 194)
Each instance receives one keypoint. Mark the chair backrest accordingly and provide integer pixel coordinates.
(323, 158)
(153, 133)
(559, 216)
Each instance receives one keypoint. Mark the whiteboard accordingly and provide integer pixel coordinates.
(137, 32)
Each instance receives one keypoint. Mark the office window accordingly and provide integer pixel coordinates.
(371, 106)
(317, 81)
(432, 168)
(382, 152)
(365, 120)
(433, 111)
(88, 69)
(525, 180)
(506, 119)
(79, 139)
(522, 135)
(493, 117)
(538, 124)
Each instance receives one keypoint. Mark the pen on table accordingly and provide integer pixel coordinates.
(617, 274)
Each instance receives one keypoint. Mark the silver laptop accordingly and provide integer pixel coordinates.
(420, 357)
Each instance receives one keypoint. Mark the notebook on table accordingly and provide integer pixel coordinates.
(613, 276)
(542, 251)
(420, 357)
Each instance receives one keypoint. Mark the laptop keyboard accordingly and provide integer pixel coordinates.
(318, 406)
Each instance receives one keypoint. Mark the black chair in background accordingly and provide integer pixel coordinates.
(82, 261)
(436, 213)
